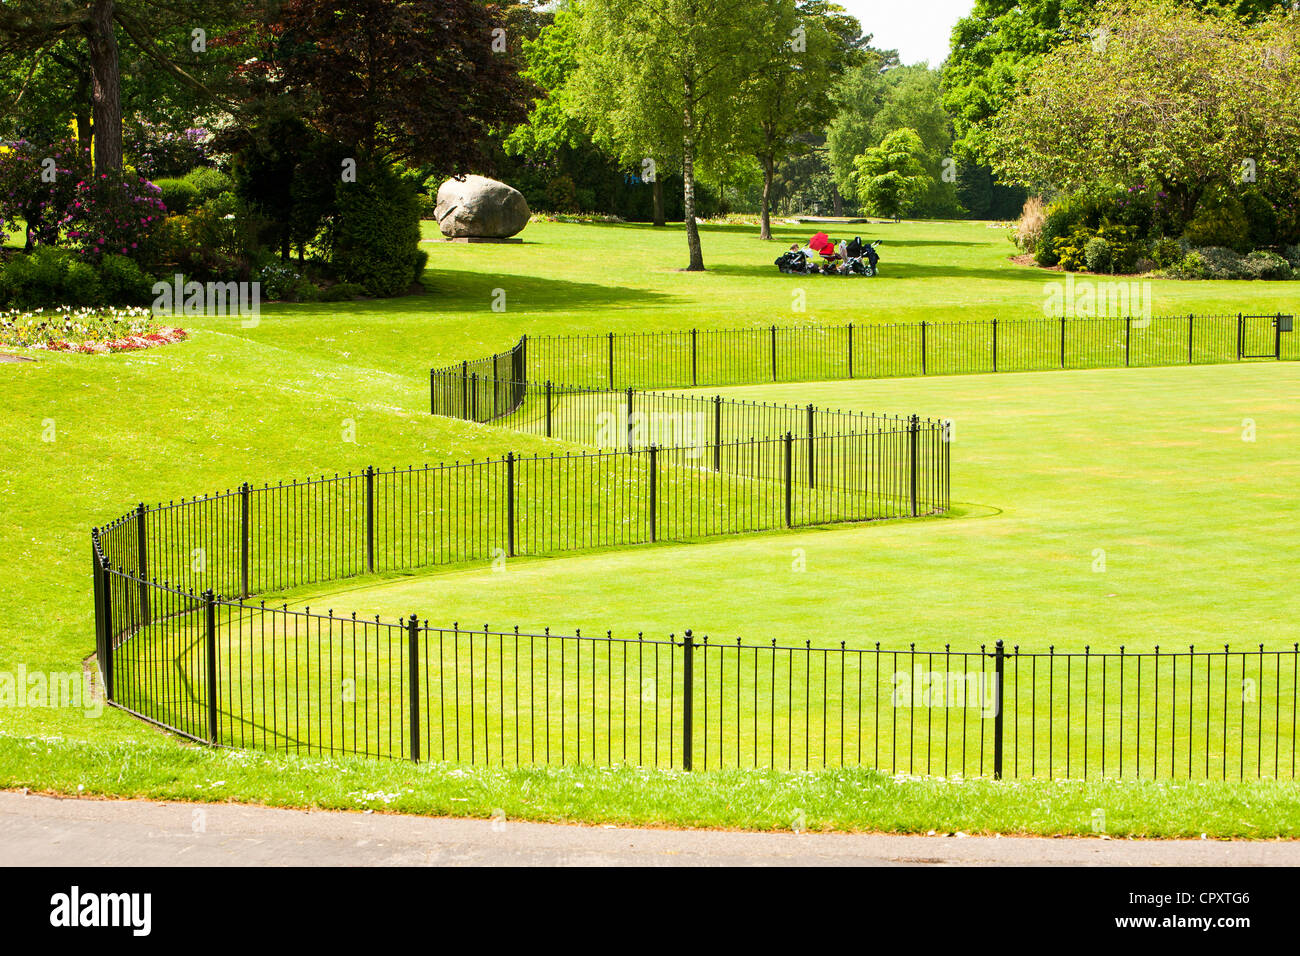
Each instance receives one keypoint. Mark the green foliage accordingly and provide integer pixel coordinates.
(178, 195)
(1097, 254)
(342, 292)
(375, 239)
(208, 183)
(891, 177)
(1220, 223)
(1263, 264)
(1145, 101)
(1167, 252)
(123, 282)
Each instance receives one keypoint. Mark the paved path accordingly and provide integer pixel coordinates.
(46, 830)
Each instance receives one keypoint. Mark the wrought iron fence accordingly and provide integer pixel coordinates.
(181, 642)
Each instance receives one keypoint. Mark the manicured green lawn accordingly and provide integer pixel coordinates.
(1148, 465)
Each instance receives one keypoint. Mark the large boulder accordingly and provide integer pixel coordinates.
(480, 208)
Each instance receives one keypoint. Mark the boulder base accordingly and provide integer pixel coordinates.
(480, 208)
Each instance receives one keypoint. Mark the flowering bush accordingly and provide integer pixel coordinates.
(114, 214)
(85, 330)
(158, 151)
(38, 184)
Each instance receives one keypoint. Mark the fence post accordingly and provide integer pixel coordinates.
(688, 697)
(510, 504)
(611, 361)
(370, 518)
(1128, 337)
(654, 490)
(998, 669)
(464, 390)
(694, 366)
(1191, 324)
(913, 433)
(629, 418)
(413, 661)
(548, 408)
(1062, 341)
(923, 361)
(433, 402)
(143, 568)
(995, 345)
(210, 609)
(850, 350)
(496, 382)
(774, 353)
(473, 396)
(1277, 337)
(789, 449)
(245, 494)
(1241, 333)
(812, 478)
(717, 433)
(106, 573)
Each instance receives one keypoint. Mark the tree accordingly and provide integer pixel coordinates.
(666, 80)
(858, 98)
(411, 81)
(36, 29)
(891, 177)
(806, 46)
(1189, 103)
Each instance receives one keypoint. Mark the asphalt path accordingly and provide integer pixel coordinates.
(41, 830)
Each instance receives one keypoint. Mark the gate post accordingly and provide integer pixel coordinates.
(245, 493)
(789, 449)
(913, 429)
(812, 451)
(548, 408)
(143, 569)
(654, 491)
(688, 697)
(717, 433)
(210, 609)
(413, 661)
(510, 504)
(998, 670)
(370, 518)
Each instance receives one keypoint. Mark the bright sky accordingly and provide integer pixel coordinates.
(917, 29)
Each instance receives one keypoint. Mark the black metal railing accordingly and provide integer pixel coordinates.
(693, 358)
(181, 642)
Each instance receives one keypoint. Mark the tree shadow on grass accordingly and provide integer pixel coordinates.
(450, 290)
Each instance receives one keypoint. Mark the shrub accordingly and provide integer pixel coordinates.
(1096, 253)
(123, 283)
(49, 277)
(1292, 255)
(1221, 262)
(1029, 227)
(81, 285)
(374, 240)
(178, 195)
(1060, 218)
(115, 214)
(1190, 266)
(341, 292)
(208, 183)
(1219, 224)
(304, 290)
(278, 279)
(1167, 252)
(1068, 251)
(1266, 265)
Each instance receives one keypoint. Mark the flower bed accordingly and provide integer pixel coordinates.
(85, 330)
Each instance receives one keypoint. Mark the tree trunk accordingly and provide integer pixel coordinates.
(658, 188)
(105, 87)
(765, 221)
(688, 180)
(837, 201)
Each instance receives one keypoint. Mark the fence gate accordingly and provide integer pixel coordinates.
(1260, 335)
